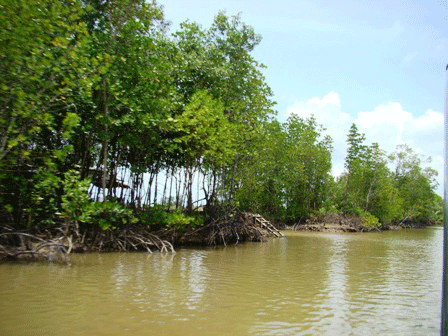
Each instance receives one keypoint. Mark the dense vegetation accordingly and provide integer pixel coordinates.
(108, 119)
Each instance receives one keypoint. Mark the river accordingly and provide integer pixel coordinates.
(305, 284)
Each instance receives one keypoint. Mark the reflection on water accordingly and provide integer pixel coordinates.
(308, 284)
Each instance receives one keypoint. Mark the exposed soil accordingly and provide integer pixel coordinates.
(325, 228)
(332, 223)
(347, 223)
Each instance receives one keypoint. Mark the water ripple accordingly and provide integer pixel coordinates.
(305, 284)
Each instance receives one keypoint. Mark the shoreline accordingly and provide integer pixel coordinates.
(347, 228)
(238, 228)
(57, 242)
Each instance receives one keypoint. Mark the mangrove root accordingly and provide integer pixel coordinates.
(25, 246)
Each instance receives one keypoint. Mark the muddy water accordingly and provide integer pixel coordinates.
(305, 284)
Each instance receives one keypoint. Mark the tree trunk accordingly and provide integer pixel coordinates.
(106, 130)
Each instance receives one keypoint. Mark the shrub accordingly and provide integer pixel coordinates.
(110, 214)
(178, 220)
(75, 201)
(158, 217)
(77, 206)
(369, 221)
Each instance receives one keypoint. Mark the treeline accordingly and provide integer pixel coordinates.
(108, 118)
(289, 180)
(393, 188)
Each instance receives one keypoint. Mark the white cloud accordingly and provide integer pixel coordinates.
(426, 134)
(385, 124)
(388, 124)
(327, 111)
(331, 98)
(429, 121)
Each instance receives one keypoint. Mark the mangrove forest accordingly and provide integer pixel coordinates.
(118, 134)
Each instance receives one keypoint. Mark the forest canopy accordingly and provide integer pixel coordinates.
(107, 117)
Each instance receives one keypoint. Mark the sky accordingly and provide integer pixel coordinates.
(379, 64)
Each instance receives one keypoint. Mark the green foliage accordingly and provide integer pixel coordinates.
(44, 197)
(158, 216)
(370, 222)
(356, 150)
(43, 68)
(438, 206)
(155, 216)
(369, 185)
(90, 88)
(416, 185)
(109, 215)
(205, 130)
(177, 220)
(288, 176)
(76, 205)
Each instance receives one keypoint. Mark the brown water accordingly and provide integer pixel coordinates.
(305, 284)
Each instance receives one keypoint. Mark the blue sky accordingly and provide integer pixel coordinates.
(378, 63)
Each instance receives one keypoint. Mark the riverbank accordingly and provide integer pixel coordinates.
(323, 227)
(55, 243)
(352, 226)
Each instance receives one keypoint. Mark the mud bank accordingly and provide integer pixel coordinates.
(349, 223)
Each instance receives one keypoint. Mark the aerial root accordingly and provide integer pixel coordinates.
(126, 239)
(232, 228)
(20, 245)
